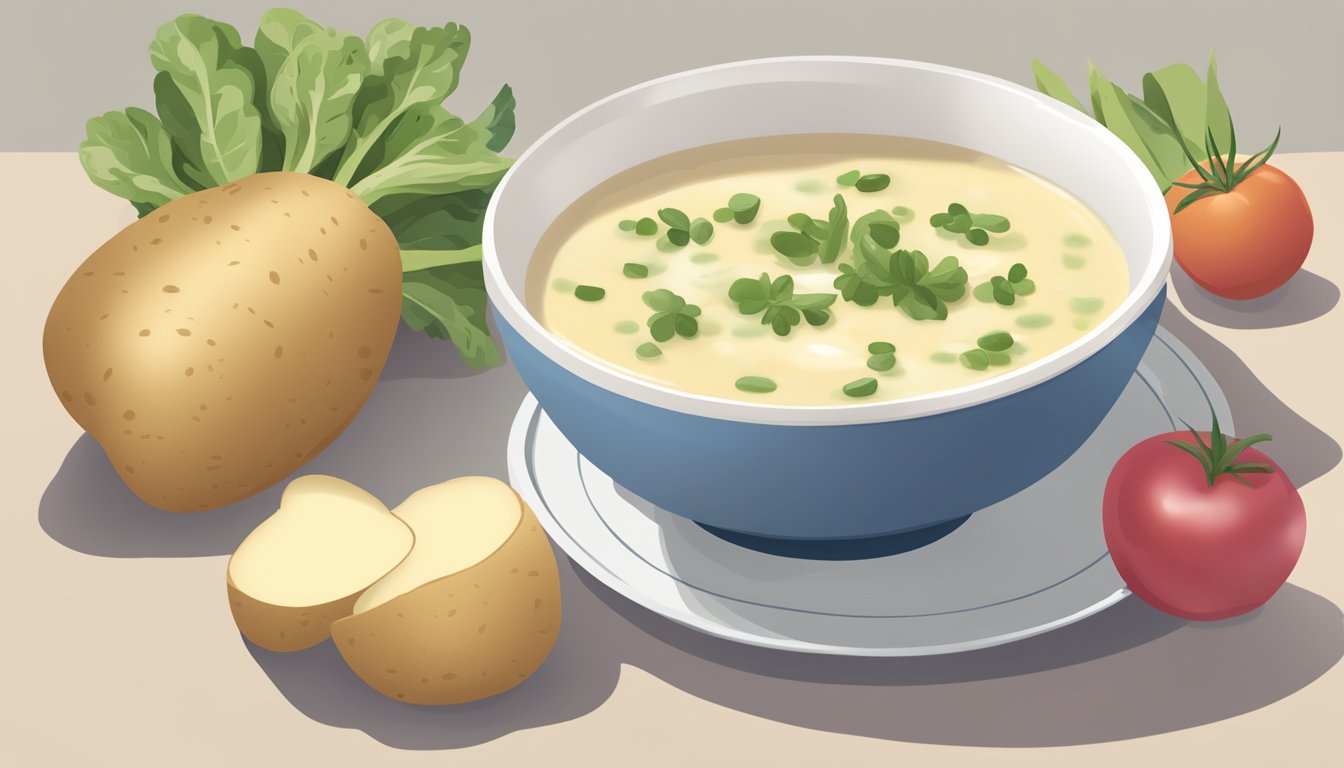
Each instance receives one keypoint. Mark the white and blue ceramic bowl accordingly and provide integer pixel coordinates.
(844, 471)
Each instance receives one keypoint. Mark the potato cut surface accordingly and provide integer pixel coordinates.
(457, 524)
(329, 540)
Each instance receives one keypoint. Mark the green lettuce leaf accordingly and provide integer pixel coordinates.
(1052, 85)
(316, 74)
(130, 155)
(448, 222)
(449, 302)
(426, 75)
(389, 39)
(206, 100)
(496, 121)
(430, 152)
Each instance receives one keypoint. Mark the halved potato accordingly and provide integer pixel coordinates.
(471, 612)
(304, 566)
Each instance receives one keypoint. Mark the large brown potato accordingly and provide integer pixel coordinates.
(219, 343)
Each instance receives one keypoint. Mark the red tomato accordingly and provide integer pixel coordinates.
(1244, 243)
(1196, 550)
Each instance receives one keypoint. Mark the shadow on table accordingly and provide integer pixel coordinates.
(578, 676)
(1304, 451)
(430, 418)
(1305, 297)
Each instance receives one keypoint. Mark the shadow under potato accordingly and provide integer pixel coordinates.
(1306, 296)
(430, 418)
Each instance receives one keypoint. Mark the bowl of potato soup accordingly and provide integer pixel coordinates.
(827, 298)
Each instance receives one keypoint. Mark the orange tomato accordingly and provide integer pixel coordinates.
(1244, 243)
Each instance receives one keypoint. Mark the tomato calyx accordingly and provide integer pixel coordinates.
(1218, 457)
(1223, 173)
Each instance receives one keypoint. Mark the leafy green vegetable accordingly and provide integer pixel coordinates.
(1167, 127)
(672, 316)
(315, 74)
(367, 113)
(449, 303)
(646, 227)
(781, 308)
(130, 155)
(206, 98)
(701, 231)
(814, 237)
(905, 276)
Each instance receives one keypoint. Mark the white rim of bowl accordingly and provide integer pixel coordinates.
(514, 310)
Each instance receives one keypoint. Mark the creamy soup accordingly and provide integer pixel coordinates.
(936, 268)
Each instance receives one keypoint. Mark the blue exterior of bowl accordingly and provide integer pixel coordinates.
(835, 481)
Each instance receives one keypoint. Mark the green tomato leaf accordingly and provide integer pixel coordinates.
(449, 302)
(130, 155)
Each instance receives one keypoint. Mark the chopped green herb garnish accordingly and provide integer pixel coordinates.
(704, 257)
(975, 359)
(627, 225)
(974, 226)
(589, 292)
(756, 384)
(674, 218)
(1081, 323)
(882, 362)
(648, 351)
(701, 231)
(672, 316)
(678, 237)
(814, 238)
(744, 206)
(998, 341)
(865, 222)
(1074, 261)
(1075, 240)
(631, 269)
(626, 327)
(861, 387)
(881, 348)
(903, 214)
(943, 357)
(809, 186)
(1005, 290)
(782, 309)
(1034, 321)
(646, 227)
(848, 178)
(905, 276)
(873, 182)
(1085, 305)
(723, 215)
(563, 285)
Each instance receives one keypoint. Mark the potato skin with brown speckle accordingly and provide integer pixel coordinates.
(473, 634)
(223, 340)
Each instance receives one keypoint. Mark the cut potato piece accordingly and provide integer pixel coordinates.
(471, 612)
(305, 566)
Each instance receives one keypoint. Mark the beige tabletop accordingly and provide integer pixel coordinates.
(119, 648)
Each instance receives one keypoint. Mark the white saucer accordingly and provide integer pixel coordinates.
(1021, 567)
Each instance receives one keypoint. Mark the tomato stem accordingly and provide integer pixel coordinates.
(1218, 457)
(1221, 176)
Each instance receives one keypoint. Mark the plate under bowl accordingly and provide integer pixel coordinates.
(1029, 564)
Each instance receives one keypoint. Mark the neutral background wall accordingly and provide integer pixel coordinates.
(1280, 62)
